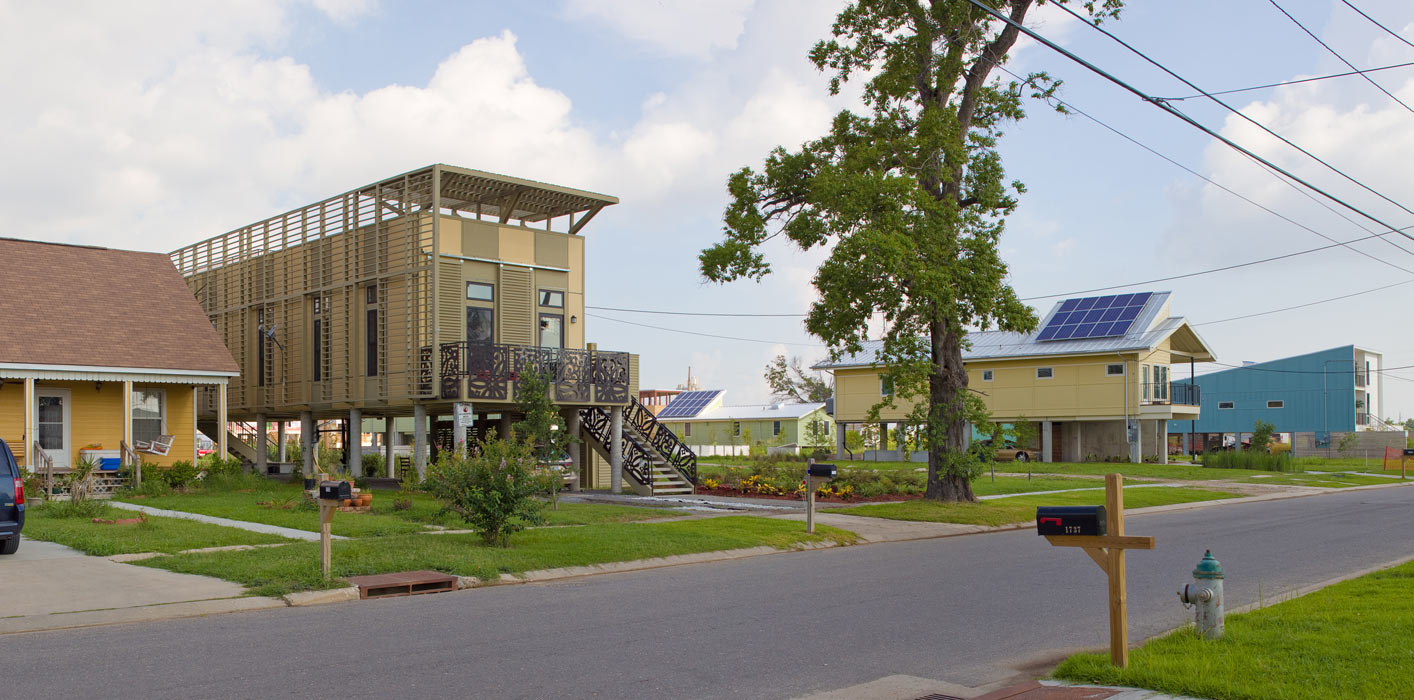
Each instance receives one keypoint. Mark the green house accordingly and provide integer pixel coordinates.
(702, 421)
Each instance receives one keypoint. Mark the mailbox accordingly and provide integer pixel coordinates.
(826, 471)
(1408, 452)
(1070, 520)
(334, 490)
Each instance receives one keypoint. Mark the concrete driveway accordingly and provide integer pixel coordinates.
(43, 580)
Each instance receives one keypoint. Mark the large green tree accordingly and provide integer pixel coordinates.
(790, 382)
(910, 197)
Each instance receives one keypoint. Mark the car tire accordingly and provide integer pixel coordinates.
(10, 546)
(1022, 457)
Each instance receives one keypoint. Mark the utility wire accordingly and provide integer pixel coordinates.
(706, 335)
(1194, 123)
(1335, 53)
(693, 313)
(1313, 303)
(1298, 81)
(1377, 23)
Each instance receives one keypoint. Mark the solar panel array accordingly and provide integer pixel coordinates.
(1095, 317)
(688, 404)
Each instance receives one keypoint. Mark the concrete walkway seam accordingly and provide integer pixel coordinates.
(289, 532)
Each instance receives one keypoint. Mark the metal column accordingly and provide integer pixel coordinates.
(354, 449)
(262, 443)
(616, 449)
(419, 440)
(307, 439)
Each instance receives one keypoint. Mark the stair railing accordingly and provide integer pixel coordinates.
(665, 441)
(599, 424)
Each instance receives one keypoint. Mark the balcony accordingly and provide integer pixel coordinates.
(488, 372)
(1165, 394)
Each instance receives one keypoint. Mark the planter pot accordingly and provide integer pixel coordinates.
(365, 499)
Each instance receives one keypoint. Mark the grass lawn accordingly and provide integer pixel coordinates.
(242, 505)
(1348, 641)
(425, 510)
(283, 569)
(156, 535)
(1330, 480)
(1023, 508)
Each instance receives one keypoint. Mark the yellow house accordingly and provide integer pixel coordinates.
(1095, 376)
(102, 348)
(426, 296)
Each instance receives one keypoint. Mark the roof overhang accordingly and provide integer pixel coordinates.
(86, 373)
(1185, 342)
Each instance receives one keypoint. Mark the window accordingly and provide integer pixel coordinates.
(1114, 370)
(480, 291)
(775, 428)
(552, 298)
(320, 338)
(1224, 405)
(1045, 373)
(886, 386)
(1276, 404)
(552, 331)
(736, 429)
(149, 414)
(371, 353)
(480, 324)
(1161, 382)
(687, 430)
(986, 375)
(260, 347)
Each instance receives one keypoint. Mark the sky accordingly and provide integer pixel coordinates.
(153, 124)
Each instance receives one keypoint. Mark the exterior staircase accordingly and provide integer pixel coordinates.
(654, 459)
(234, 444)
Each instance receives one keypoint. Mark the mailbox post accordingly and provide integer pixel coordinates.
(815, 475)
(331, 494)
(1099, 530)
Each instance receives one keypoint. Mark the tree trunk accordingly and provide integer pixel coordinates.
(945, 384)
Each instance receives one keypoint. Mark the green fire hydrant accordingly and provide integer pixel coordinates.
(1205, 595)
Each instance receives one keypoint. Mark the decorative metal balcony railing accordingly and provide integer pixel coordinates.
(665, 441)
(1175, 394)
(637, 461)
(486, 371)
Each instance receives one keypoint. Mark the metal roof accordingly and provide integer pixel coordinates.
(1150, 328)
(777, 411)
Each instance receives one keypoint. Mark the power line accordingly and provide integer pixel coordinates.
(1335, 53)
(1302, 306)
(1298, 81)
(1377, 23)
(706, 335)
(693, 313)
(1194, 123)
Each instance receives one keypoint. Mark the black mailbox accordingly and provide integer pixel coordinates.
(1408, 452)
(827, 471)
(334, 490)
(1070, 520)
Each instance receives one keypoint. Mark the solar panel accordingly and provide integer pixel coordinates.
(1094, 317)
(688, 404)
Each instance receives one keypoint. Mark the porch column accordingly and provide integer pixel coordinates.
(1136, 449)
(1046, 437)
(1162, 429)
(839, 440)
(31, 424)
(280, 442)
(388, 436)
(505, 429)
(354, 450)
(616, 449)
(262, 443)
(306, 439)
(419, 440)
(572, 428)
(195, 430)
(220, 417)
(128, 416)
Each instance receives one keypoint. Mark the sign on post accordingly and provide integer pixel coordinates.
(462, 420)
(1099, 530)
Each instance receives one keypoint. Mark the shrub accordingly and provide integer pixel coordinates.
(1262, 436)
(493, 491)
(1249, 459)
(373, 465)
(73, 509)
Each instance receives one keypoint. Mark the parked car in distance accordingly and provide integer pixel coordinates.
(1009, 452)
(12, 501)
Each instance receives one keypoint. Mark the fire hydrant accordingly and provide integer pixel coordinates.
(1205, 595)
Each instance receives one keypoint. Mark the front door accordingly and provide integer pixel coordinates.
(52, 424)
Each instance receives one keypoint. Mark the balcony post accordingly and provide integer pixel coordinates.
(1047, 438)
(419, 440)
(572, 427)
(616, 449)
(262, 442)
(353, 451)
(308, 440)
(1161, 427)
(280, 441)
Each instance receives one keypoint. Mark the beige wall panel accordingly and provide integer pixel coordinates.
(575, 321)
(517, 245)
(481, 239)
(449, 235)
(552, 249)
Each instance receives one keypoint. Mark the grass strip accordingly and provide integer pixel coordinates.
(1348, 641)
(1330, 480)
(1017, 509)
(157, 534)
(280, 570)
(425, 509)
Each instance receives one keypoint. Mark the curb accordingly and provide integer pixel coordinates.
(333, 595)
(145, 613)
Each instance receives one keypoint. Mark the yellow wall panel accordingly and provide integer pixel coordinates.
(12, 418)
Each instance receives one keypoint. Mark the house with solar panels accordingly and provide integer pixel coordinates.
(705, 424)
(1095, 377)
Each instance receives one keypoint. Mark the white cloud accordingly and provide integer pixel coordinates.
(672, 27)
(346, 11)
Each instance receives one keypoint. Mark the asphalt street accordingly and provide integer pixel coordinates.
(972, 610)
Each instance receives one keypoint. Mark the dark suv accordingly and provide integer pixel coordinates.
(12, 501)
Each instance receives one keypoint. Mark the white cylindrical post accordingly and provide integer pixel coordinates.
(419, 440)
(389, 436)
(354, 450)
(616, 449)
(262, 443)
(307, 439)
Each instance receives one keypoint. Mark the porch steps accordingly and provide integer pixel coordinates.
(234, 444)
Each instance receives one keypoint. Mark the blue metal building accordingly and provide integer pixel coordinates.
(1332, 390)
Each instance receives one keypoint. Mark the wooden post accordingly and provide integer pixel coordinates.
(326, 521)
(1107, 551)
(1119, 598)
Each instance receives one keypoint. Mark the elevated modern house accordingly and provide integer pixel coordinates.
(1340, 390)
(429, 294)
(1095, 377)
(103, 350)
(709, 427)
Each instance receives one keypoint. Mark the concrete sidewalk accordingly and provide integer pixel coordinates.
(289, 532)
(49, 586)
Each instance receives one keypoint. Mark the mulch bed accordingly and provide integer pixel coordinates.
(119, 521)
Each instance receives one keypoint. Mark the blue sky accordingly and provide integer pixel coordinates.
(156, 124)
